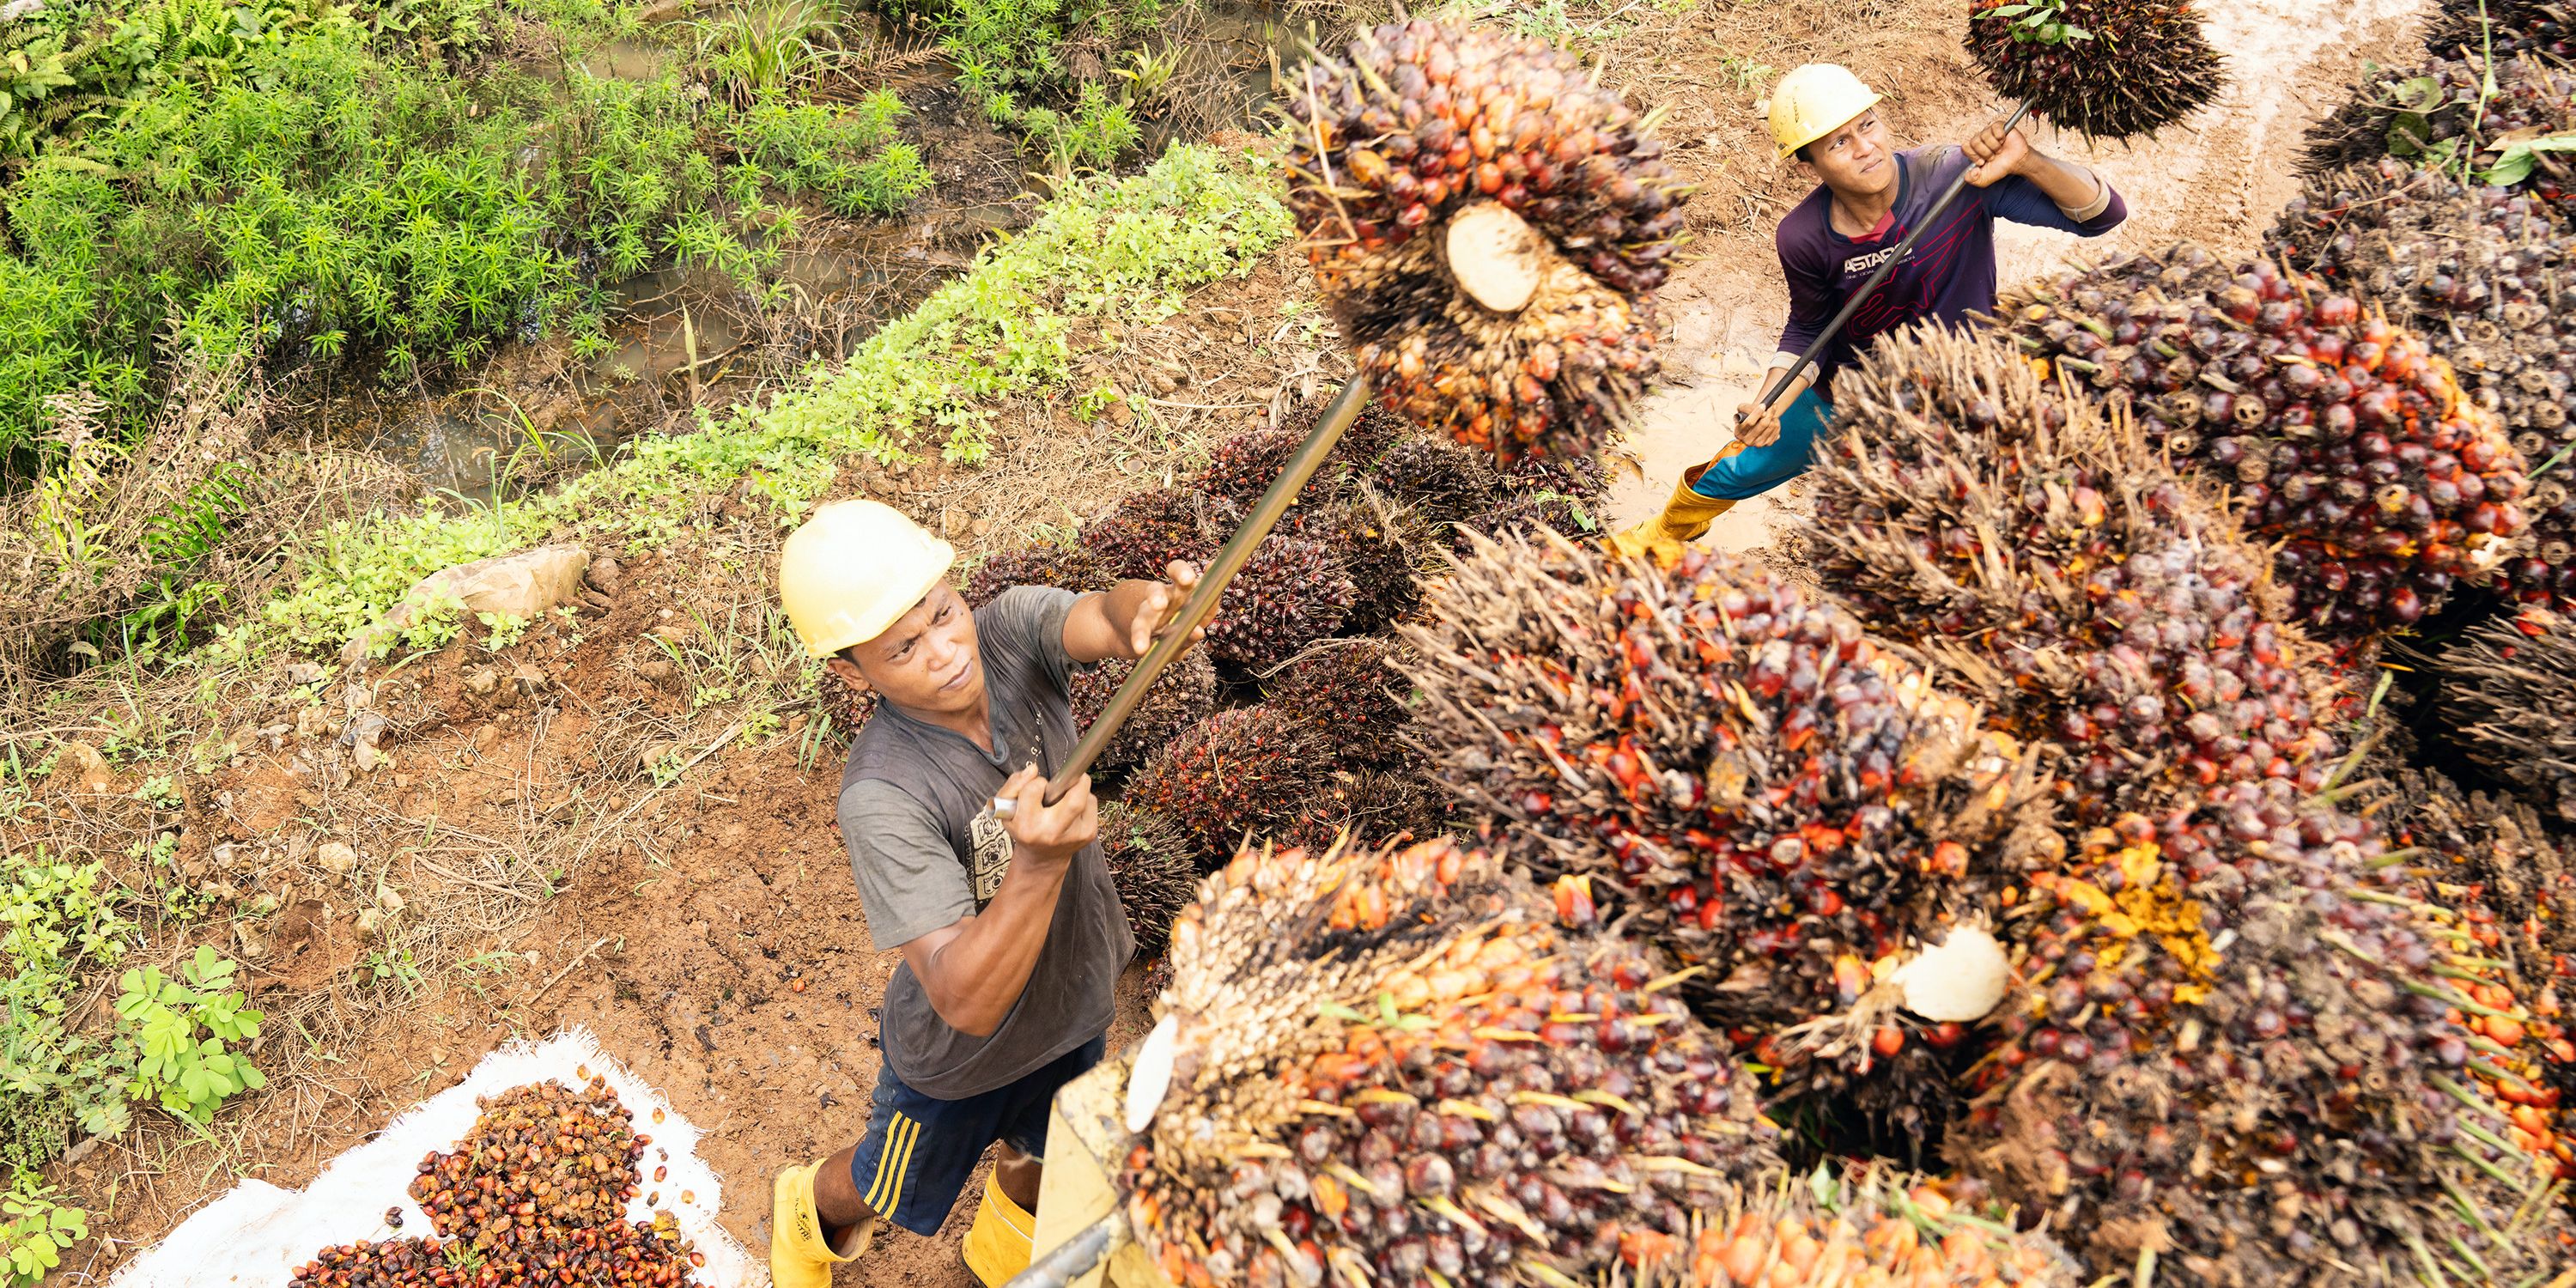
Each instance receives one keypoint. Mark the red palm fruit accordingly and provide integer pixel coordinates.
(1290, 593)
(1861, 1224)
(1070, 567)
(1154, 867)
(1349, 691)
(2136, 67)
(2310, 424)
(2242, 977)
(2478, 273)
(1246, 770)
(1146, 531)
(1388, 147)
(1181, 696)
(2052, 562)
(1768, 788)
(1397, 1062)
(1377, 543)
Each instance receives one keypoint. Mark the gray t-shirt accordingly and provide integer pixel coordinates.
(925, 849)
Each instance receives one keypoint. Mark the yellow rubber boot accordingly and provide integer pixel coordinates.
(1684, 519)
(1004, 1236)
(798, 1255)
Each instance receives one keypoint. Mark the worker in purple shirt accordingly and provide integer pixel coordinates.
(1868, 196)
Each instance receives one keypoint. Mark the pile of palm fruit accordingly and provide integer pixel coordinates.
(536, 1193)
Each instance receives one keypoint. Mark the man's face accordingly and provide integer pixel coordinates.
(1854, 160)
(926, 662)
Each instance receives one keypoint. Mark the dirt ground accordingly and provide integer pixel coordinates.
(707, 930)
(2217, 179)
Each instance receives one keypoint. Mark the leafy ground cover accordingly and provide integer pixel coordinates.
(317, 183)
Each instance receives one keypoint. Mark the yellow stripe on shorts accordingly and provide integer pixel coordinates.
(892, 1162)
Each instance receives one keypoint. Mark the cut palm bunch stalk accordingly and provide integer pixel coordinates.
(1861, 1226)
(1402, 1068)
(2480, 273)
(2508, 703)
(1785, 803)
(1489, 225)
(2111, 69)
(2344, 439)
(2051, 562)
(2239, 1058)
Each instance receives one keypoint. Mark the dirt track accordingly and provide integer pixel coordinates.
(714, 940)
(2217, 179)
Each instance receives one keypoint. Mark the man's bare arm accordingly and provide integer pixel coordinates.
(974, 969)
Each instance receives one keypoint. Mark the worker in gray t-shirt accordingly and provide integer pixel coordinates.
(1011, 933)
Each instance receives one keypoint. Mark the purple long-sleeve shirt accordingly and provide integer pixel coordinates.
(1949, 274)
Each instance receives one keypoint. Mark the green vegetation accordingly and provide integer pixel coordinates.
(1125, 249)
(167, 1042)
(317, 187)
(1037, 66)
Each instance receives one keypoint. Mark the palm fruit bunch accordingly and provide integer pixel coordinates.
(1242, 467)
(1154, 867)
(1399, 1068)
(2139, 65)
(1350, 692)
(2236, 1055)
(2478, 272)
(2509, 704)
(1146, 530)
(1244, 770)
(2446, 104)
(1862, 1226)
(1388, 802)
(1782, 801)
(2345, 439)
(2047, 558)
(1070, 567)
(542, 1159)
(2500, 27)
(1374, 539)
(2499, 887)
(1289, 594)
(1489, 225)
(1181, 696)
(845, 707)
(1443, 481)
(1525, 516)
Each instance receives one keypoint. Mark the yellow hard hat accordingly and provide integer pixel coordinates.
(1814, 101)
(854, 570)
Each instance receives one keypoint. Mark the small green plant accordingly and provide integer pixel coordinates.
(33, 1232)
(1092, 134)
(2037, 22)
(762, 48)
(181, 1032)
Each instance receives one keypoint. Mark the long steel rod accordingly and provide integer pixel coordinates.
(1202, 602)
(1075, 1257)
(1879, 277)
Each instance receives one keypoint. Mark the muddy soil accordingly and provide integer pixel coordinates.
(707, 929)
(2217, 178)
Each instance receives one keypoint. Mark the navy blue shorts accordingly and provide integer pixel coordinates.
(919, 1151)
